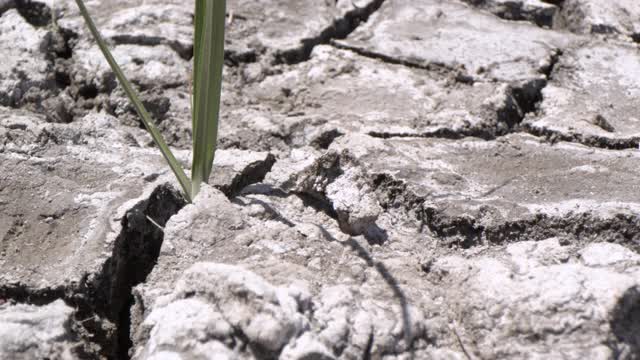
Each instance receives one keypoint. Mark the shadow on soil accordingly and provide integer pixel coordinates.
(391, 282)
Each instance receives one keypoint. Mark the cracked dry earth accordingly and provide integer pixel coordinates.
(397, 179)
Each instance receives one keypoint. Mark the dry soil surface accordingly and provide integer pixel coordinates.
(396, 179)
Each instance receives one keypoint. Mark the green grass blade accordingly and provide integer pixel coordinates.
(135, 100)
(197, 36)
(207, 70)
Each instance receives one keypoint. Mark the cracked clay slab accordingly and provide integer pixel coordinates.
(24, 67)
(546, 290)
(281, 28)
(271, 260)
(271, 238)
(285, 28)
(129, 22)
(341, 91)
(592, 97)
(537, 11)
(454, 35)
(63, 192)
(37, 332)
(65, 189)
(514, 187)
(620, 17)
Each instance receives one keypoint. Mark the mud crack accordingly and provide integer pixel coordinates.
(183, 50)
(339, 29)
(534, 98)
(588, 140)
(135, 252)
(103, 301)
(444, 70)
(520, 100)
(252, 173)
(35, 13)
(626, 323)
(337, 185)
(542, 16)
(41, 91)
(466, 230)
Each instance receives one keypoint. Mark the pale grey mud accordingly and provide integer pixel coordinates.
(396, 179)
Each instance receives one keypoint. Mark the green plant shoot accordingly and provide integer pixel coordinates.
(208, 51)
(207, 86)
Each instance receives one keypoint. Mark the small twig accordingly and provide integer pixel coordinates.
(230, 17)
(88, 319)
(155, 223)
(464, 349)
(54, 21)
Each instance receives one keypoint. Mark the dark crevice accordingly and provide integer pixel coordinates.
(143, 40)
(21, 294)
(157, 105)
(58, 44)
(325, 170)
(251, 174)
(324, 140)
(604, 29)
(530, 96)
(444, 133)
(44, 96)
(103, 302)
(588, 140)
(185, 51)
(88, 91)
(547, 71)
(69, 39)
(520, 100)
(235, 58)
(458, 74)
(526, 94)
(625, 324)
(339, 29)
(516, 11)
(35, 13)
(135, 253)
(62, 79)
(366, 353)
(467, 230)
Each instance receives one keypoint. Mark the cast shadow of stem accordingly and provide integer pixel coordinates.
(388, 278)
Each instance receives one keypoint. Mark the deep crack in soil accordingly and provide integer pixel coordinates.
(626, 321)
(43, 96)
(36, 13)
(517, 11)
(339, 29)
(103, 302)
(467, 231)
(135, 252)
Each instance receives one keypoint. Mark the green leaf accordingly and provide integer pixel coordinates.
(140, 109)
(208, 51)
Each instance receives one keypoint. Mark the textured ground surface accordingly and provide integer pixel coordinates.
(424, 179)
